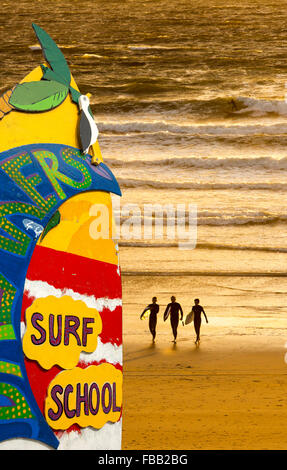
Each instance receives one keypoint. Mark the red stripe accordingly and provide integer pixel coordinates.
(68, 271)
(112, 326)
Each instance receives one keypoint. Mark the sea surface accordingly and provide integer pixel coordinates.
(189, 98)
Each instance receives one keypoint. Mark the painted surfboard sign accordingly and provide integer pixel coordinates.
(60, 281)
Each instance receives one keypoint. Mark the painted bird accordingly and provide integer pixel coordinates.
(88, 128)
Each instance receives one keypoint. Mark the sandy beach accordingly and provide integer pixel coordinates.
(227, 394)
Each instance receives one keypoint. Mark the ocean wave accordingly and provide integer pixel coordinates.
(259, 163)
(201, 108)
(38, 47)
(94, 56)
(161, 126)
(249, 218)
(128, 183)
(221, 106)
(207, 246)
(170, 216)
(170, 273)
(143, 47)
(260, 107)
(216, 246)
(137, 89)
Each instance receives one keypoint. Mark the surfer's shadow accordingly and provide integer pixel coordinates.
(151, 348)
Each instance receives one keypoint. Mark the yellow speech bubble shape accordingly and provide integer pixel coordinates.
(58, 329)
(88, 397)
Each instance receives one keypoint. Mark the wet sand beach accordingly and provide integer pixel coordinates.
(228, 393)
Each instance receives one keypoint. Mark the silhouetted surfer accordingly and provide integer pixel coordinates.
(154, 309)
(173, 310)
(197, 311)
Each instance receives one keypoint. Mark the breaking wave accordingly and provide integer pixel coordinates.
(245, 186)
(260, 163)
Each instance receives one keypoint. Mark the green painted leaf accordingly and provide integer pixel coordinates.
(53, 54)
(38, 96)
(53, 222)
(49, 74)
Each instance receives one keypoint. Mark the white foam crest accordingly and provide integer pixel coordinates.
(130, 183)
(257, 163)
(259, 107)
(161, 126)
(44, 289)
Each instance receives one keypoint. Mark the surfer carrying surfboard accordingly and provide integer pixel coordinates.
(172, 310)
(197, 311)
(152, 309)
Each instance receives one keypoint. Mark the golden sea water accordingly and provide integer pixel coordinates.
(189, 98)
